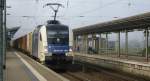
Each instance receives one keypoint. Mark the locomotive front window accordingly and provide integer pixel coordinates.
(57, 33)
(51, 32)
(63, 32)
(59, 36)
(58, 41)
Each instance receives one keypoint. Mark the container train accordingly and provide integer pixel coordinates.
(47, 43)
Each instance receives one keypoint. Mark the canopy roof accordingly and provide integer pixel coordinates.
(134, 22)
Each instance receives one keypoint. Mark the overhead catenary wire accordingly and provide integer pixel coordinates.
(92, 10)
(100, 7)
(82, 14)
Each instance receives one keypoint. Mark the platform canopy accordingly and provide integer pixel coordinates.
(134, 22)
(11, 31)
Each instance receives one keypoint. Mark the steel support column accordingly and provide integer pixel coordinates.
(146, 40)
(119, 44)
(85, 43)
(1, 41)
(4, 37)
(82, 44)
(93, 35)
(99, 51)
(73, 45)
(106, 43)
(93, 42)
(76, 43)
(126, 42)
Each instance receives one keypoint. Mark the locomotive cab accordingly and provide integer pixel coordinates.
(51, 42)
(57, 40)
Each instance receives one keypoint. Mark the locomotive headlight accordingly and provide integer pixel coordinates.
(69, 54)
(45, 49)
(49, 47)
(58, 40)
(49, 54)
(65, 50)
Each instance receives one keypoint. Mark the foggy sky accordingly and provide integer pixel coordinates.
(77, 13)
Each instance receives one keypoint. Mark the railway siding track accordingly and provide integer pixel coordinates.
(84, 72)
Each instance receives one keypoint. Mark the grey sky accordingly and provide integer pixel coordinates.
(93, 11)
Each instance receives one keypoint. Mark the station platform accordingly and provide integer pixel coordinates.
(20, 67)
(134, 67)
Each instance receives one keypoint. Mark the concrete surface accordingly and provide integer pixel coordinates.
(20, 67)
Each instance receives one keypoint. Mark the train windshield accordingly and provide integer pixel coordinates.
(58, 35)
(52, 33)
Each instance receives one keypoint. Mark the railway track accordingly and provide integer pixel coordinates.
(76, 72)
(73, 77)
(80, 76)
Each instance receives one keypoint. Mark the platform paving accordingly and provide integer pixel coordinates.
(20, 67)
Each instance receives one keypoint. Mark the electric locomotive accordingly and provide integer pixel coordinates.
(57, 41)
(50, 43)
